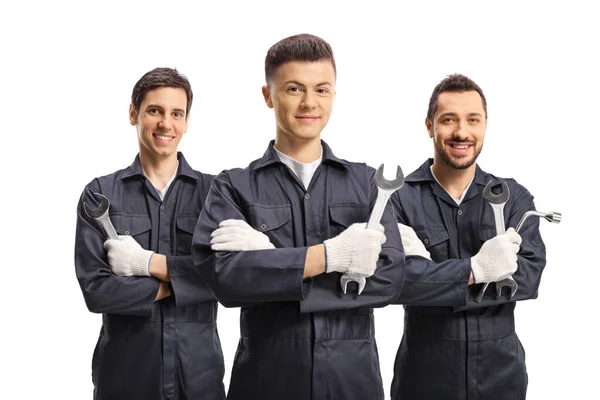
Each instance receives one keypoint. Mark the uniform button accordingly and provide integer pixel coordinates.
(426, 241)
(307, 196)
(127, 232)
(162, 207)
(459, 212)
(263, 226)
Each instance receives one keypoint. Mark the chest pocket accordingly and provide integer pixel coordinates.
(486, 232)
(137, 226)
(274, 221)
(186, 224)
(436, 241)
(345, 214)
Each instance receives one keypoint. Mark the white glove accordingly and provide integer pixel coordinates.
(237, 235)
(355, 250)
(126, 257)
(497, 258)
(411, 242)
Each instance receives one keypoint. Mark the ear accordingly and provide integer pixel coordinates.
(132, 115)
(429, 127)
(267, 96)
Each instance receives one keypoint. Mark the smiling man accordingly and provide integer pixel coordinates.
(453, 347)
(158, 338)
(275, 237)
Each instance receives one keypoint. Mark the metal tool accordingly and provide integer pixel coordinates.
(385, 189)
(101, 215)
(550, 216)
(497, 202)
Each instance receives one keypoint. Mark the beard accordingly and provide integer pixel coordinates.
(455, 162)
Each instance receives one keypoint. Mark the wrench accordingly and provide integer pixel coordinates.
(497, 202)
(100, 214)
(385, 189)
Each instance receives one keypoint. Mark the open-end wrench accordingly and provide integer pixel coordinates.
(385, 189)
(497, 202)
(101, 215)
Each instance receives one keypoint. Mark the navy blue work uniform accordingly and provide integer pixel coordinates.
(149, 350)
(454, 348)
(300, 338)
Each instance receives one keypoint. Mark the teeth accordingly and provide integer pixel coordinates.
(163, 137)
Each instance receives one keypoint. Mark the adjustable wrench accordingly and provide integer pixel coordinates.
(385, 189)
(100, 214)
(497, 202)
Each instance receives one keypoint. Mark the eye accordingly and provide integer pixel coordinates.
(153, 111)
(178, 114)
(474, 120)
(323, 91)
(294, 89)
(447, 120)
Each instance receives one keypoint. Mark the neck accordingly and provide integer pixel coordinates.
(454, 181)
(158, 170)
(305, 151)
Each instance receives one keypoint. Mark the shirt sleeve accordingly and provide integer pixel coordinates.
(247, 277)
(103, 291)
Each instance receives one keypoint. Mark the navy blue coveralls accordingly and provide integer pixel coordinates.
(454, 348)
(149, 350)
(300, 339)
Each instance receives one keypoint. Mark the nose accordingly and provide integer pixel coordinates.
(309, 101)
(460, 130)
(165, 123)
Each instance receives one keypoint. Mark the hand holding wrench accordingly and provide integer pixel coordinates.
(100, 214)
(551, 216)
(497, 202)
(385, 189)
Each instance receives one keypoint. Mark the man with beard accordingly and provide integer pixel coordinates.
(454, 347)
(159, 337)
(275, 237)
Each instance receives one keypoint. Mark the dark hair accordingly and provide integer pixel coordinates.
(453, 83)
(161, 77)
(303, 47)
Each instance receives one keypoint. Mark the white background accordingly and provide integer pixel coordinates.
(67, 71)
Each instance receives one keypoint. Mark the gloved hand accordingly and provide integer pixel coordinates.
(411, 242)
(237, 235)
(355, 250)
(497, 258)
(126, 257)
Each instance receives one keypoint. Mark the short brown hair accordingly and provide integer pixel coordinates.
(303, 47)
(453, 83)
(161, 77)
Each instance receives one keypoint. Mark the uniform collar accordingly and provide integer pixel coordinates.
(135, 169)
(270, 157)
(423, 174)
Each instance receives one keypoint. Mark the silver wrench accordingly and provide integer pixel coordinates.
(385, 189)
(497, 202)
(100, 214)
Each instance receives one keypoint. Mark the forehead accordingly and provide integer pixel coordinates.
(167, 97)
(460, 102)
(305, 72)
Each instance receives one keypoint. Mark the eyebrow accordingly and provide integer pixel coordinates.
(453, 114)
(302, 84)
